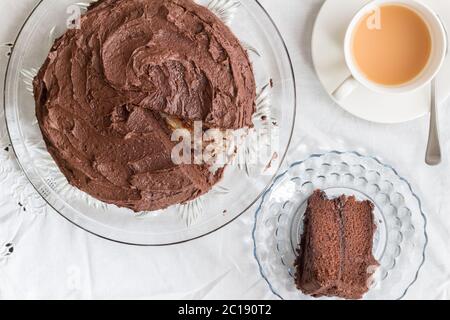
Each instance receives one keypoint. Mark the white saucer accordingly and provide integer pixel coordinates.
(328, 57)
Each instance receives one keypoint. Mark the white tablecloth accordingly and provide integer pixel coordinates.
(51, 258)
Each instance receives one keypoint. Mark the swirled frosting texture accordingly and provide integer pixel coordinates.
(102, 94)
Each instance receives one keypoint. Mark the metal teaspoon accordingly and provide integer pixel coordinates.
(434, 153)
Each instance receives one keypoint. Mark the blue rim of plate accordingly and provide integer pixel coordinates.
(318, 155)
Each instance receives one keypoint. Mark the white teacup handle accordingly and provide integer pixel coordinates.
(345, 88)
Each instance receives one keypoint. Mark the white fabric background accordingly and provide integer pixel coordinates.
(53, 259)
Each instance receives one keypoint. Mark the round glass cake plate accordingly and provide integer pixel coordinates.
(275, 114)
(399, 242)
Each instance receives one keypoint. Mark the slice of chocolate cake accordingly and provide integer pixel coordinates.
(335, 253)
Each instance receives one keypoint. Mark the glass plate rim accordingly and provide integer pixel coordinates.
(335, 152)
(272, 180)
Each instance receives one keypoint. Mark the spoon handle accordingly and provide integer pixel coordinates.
(434, 154)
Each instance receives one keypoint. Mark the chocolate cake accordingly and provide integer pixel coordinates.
(106, 90)
(335, 253)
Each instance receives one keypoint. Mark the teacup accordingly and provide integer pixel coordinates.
(438, 40)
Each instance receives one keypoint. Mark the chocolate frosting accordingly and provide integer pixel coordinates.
(105, 89)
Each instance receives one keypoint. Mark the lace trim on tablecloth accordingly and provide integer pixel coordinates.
(20, 204)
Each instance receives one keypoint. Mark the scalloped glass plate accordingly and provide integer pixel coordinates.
(400, 239)
(275, 114)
